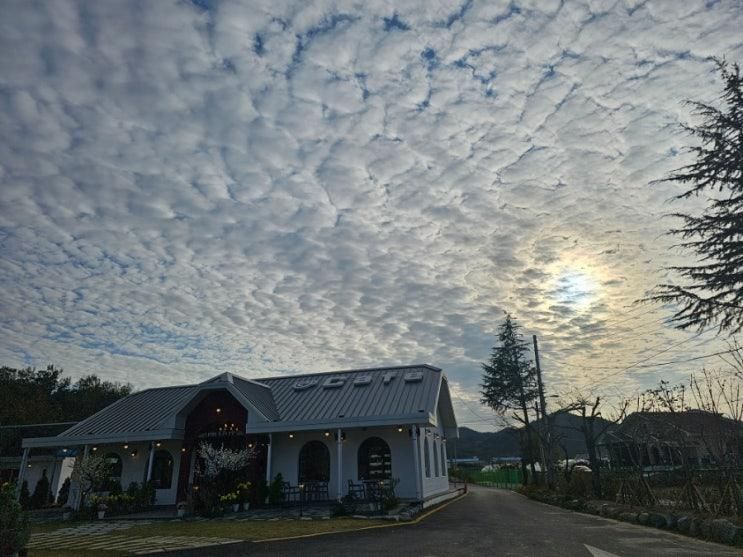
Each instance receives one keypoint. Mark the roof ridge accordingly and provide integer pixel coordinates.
(378, 368)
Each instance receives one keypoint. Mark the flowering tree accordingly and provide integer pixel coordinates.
(218, 460)
(222, 469)
(90, 472)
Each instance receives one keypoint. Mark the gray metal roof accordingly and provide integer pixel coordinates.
(351, 401)
(258, 394)
(139, 412)
(404, 395)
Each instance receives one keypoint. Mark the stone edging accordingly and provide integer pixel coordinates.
(720, 530)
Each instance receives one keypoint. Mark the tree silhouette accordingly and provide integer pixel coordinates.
(509, 380)
(713, 293)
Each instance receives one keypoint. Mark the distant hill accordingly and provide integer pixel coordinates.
(487, 445)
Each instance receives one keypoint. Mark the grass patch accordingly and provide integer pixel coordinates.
(44, 527)
(72, 553)
(249, 530)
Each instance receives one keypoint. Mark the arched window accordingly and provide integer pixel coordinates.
(375, 460)
(162, 470)
(427, 457)
(113, 462)
(314, 462)
(435, 458)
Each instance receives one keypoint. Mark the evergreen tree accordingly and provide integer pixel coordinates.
(25, 498)
(64, 492)
(713, 294)
(41, 492)
(509, 380)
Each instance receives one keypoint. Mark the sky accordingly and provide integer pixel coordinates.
(268, 187)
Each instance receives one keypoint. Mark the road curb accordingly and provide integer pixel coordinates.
(416, 520)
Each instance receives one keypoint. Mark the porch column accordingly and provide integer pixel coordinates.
(77, 496)
(21, 473)
(445, 471)
(268, 459)
(52, 485)
(339, 450)
(416, 462)
(150, 459)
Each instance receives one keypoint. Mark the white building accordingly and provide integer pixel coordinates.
(337, 431)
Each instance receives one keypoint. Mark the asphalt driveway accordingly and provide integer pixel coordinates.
(490, 522)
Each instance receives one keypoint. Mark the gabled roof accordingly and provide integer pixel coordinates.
(360, 398)
(663, 425)
(405, 394)
(140, 412)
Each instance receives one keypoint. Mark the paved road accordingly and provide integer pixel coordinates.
(491, 522)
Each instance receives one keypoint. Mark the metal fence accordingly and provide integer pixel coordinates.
(507, 478)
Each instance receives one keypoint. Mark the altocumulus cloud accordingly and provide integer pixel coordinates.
(266, 187)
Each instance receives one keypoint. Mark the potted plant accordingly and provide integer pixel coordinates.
(230, 500)
(243, 493)
(181, 508)
(102, 507)
(66, 512)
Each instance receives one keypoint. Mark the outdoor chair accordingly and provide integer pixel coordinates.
(375, 489)
(289, 493)
(316, 491)
(356, 490)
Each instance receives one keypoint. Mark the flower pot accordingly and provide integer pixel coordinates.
(246, 505)
(101, 514)
(66, 515)
(181, 513)
(235, 507)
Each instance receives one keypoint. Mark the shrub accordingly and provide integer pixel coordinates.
(275, 491)
(41, 492)
(579, 485)
(141, 496)
(347, 506)
(14, 529)
(64, 492)
(25, 499)
(389, 499)
(261, 492)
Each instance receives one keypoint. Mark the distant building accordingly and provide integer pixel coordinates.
(335, 431)
(467, 461)
(672, 439)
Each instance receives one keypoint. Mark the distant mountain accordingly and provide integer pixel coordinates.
(487, 445)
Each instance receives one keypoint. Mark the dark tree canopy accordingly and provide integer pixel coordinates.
(33, 396)
(509, 379)
(713, 291)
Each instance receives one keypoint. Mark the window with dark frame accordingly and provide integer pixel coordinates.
(162, 470)
(314, 462)
(375, 460)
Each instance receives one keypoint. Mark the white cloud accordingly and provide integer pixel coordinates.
(266, 187)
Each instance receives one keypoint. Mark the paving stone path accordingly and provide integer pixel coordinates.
(102, 536)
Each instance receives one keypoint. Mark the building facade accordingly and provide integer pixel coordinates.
(338, 430)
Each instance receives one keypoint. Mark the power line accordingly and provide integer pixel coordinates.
(599, 368)
(662, 364)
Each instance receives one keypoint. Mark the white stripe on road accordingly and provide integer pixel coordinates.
(596, 552)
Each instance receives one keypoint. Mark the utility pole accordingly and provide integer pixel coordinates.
(545, 416)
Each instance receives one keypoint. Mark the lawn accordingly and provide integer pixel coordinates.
(252, 530)
(248, 531)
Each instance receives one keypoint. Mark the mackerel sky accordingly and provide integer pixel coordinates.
(188, 188)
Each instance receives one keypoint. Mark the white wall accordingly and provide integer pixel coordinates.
(433, 483)
(285, 457)
(134, 468)
(57, 470)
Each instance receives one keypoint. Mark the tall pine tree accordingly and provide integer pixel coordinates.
(713, 293)
(509, 382)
